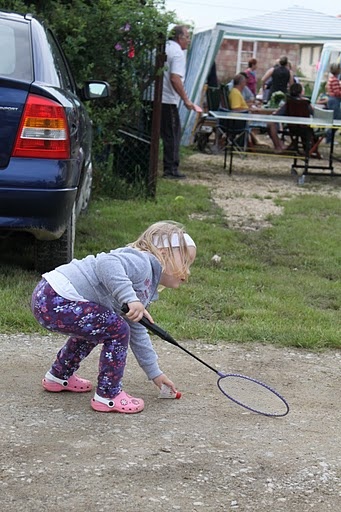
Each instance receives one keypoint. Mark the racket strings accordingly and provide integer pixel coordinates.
(253, 395)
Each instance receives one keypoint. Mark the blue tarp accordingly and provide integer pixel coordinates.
(201, 56)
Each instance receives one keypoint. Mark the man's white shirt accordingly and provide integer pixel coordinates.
(175, 64)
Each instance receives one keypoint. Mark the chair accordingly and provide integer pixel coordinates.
(213, 98)
(224, 96)
(303, 137)
(230, 135)
(236, 131)
(209, 125)
(325, 115)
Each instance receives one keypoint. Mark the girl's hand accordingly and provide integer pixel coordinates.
(137, 311)
(163, 379)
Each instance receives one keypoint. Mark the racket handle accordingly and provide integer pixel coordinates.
(164, 335)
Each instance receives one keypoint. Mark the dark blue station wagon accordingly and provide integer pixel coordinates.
(45, 140)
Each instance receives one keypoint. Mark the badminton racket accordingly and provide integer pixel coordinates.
(250, 393)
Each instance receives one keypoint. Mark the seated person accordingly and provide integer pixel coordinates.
(246, 92)
(295, 92)
(236, 99)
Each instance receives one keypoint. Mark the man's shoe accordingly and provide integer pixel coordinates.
(174, 176)
(179, 175)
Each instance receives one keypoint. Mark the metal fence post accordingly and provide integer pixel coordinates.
(156, 118)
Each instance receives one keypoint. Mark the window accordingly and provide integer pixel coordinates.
(64, 75)
(15, 54)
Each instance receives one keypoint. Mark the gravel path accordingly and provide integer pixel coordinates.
(249, 195)
(199, 453)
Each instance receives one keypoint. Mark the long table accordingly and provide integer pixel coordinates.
(312, 122)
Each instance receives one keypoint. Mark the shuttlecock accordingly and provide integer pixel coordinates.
(167, 392)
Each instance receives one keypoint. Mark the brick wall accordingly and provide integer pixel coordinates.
(267, 54)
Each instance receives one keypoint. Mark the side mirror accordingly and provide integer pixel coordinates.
(95, 90)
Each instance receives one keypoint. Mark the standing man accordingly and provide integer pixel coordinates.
(173, 91)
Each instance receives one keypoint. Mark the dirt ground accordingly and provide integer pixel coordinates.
(199, 453)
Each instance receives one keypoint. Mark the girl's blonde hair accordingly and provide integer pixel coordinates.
(160, 235)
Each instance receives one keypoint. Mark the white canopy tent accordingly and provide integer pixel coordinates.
(331, 52)
(293, 25)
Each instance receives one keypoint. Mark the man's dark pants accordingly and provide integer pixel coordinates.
(171, 136)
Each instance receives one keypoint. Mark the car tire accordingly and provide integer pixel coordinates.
(49, 254)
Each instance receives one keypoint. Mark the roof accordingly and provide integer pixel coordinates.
(296, 22)
(300, 20)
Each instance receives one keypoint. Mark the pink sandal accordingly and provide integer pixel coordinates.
(74, 383)
(123, 403)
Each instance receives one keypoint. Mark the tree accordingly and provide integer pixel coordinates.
(107, 40)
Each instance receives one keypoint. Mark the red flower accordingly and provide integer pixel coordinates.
(131, 51)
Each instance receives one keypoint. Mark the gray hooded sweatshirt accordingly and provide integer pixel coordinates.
(115, 278)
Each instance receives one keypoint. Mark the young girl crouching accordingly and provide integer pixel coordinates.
(84, 299)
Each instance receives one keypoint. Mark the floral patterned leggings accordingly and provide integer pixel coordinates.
(88, 324)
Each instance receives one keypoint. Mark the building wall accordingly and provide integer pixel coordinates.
(303, 57)
(309, 58)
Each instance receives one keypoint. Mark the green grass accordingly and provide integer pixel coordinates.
(279, 285)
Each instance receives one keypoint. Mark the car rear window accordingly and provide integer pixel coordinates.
(15, 50)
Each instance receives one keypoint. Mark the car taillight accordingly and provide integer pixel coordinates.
(43, 131)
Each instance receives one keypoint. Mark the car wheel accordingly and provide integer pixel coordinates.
(49, 254)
